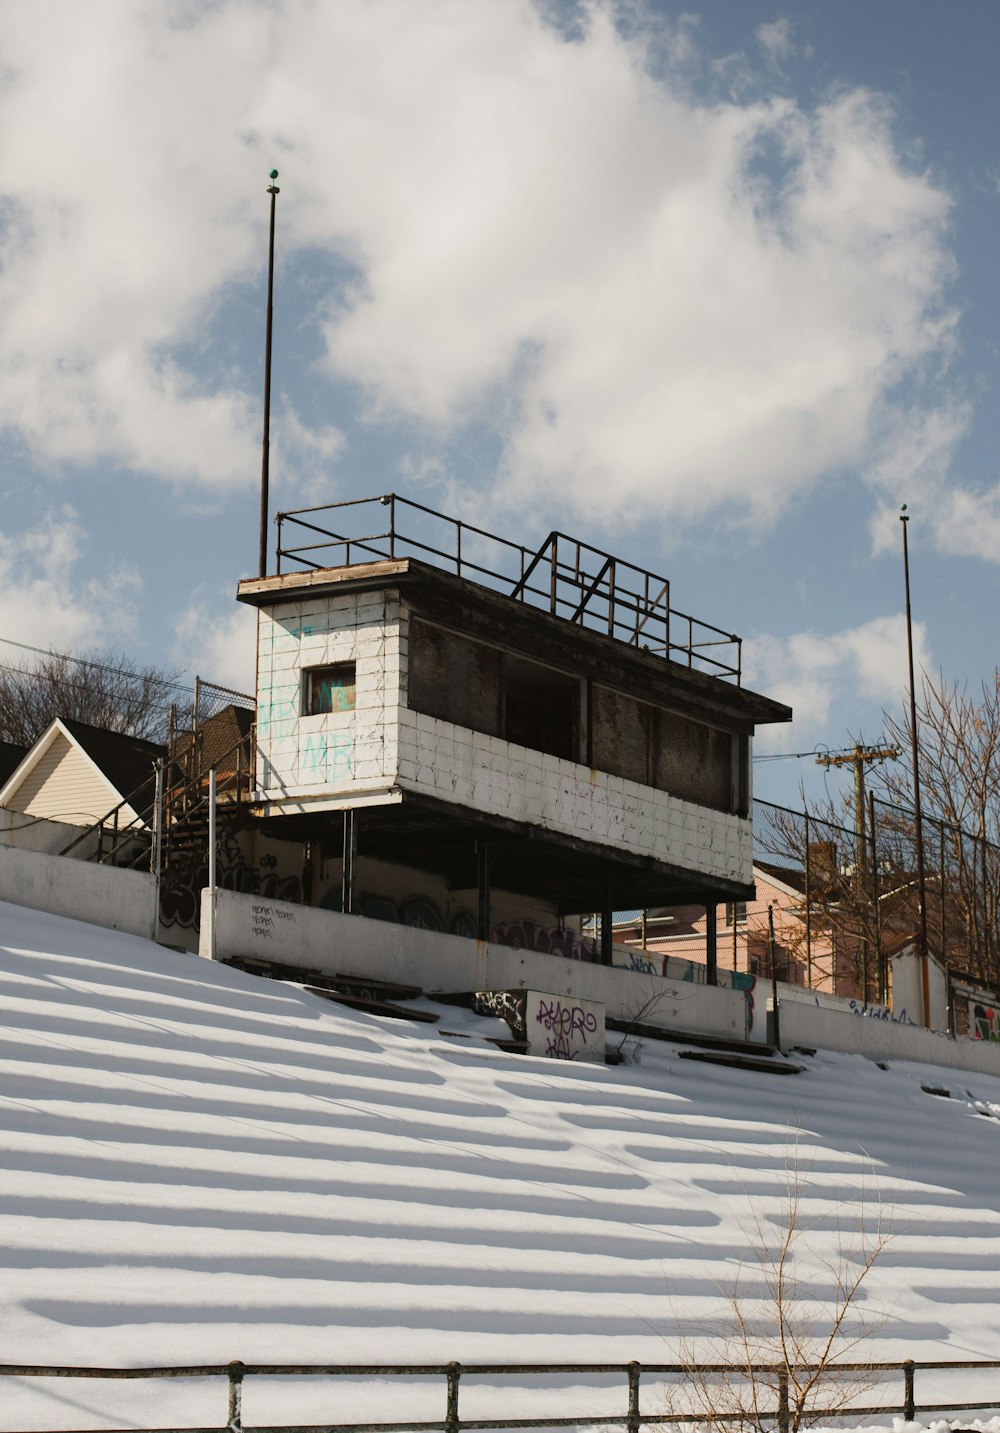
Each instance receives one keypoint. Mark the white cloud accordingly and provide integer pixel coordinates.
(811, 671)
(775, 39)
(602, 265)
(916, 466)
(218, 644)
(306, 455)
(44, 603)
(123, 170)
(662, 305)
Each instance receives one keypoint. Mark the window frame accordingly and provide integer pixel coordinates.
(312, 678)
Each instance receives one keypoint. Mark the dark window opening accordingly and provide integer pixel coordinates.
(737, 910)
(476, 685)
(621, 735)
(541, 708)
(330, 689)
(454, 678)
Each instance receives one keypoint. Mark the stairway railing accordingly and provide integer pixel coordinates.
(186, 799)
(182, 799)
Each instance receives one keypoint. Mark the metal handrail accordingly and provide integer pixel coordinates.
(632, 1419)
(138, 827)
(629, 603)
(233, 780)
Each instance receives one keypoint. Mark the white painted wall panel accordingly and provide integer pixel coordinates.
(496, 776)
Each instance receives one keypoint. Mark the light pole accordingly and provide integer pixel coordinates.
(914, 744)
(274, 191)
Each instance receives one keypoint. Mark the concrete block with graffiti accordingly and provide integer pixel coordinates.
(564, 1027)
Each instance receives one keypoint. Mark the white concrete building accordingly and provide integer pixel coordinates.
(539, 724)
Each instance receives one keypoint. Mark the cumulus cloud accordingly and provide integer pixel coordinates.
(674, 305)
(659, 305)
(812, 670)
(218, 642)
(43, 601)
(123, 171)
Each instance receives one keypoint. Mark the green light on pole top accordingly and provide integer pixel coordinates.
(273, 174)
(903, 515)
(273, 188)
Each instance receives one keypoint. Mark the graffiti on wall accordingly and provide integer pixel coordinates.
(550, 940)
(878, 1012)
(184, 881)
(639, 960)
(984, 1020)
(419, 912)
(564, 1028)
(328, 756)
(508, 1005)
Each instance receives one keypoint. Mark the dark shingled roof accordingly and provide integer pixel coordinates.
(11, 756)
(127, 761)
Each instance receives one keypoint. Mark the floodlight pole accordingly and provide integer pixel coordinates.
(274, 191)
(915, 747)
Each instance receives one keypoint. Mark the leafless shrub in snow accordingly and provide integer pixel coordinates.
(791, 1317)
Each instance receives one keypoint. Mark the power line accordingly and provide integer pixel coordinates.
(71, 683)
(798, 755)
(88, 662)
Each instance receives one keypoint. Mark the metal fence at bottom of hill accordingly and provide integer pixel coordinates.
(480, 1396)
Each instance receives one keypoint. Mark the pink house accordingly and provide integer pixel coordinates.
(767, 935)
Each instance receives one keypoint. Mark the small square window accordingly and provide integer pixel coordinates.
(330, 689)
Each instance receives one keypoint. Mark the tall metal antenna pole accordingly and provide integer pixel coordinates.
(914, 743)
(274, 191)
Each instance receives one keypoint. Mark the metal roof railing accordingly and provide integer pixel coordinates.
(566, 577)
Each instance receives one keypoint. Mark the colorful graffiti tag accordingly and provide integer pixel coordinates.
(418, 912)
(550, 940)
(984, 1021)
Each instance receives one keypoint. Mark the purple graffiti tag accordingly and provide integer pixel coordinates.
(563, 1022)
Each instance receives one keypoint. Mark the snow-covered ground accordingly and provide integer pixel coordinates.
(199, 1166)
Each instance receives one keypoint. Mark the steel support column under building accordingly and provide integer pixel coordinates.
(349, 895)
(485, 854)
(712, 945)
(607, 925)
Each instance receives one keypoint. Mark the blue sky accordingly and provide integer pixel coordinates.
(711, 287)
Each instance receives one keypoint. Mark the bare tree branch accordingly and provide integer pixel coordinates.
(106, 689)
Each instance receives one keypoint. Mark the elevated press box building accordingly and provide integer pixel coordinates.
(442, 710)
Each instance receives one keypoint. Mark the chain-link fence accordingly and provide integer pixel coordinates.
(842, 899)
(217, 732)
(961, 879)
(835, 902)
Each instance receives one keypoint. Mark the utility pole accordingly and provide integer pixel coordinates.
(859, 758)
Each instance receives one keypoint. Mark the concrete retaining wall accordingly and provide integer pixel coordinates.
(30, 833)
(100, 895)
(825, 1029)
(351, 945)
